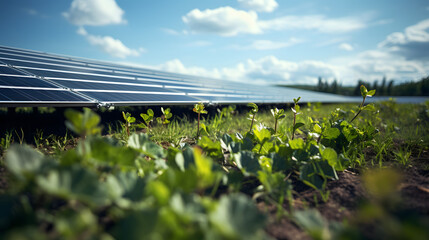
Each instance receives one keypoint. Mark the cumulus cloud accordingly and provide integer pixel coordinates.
(368, 65)
(413, 43)
(225, 21)
(315, 22)
(94, 13)
(228, 21)
(113, 47)
(269, 45)
(345, 47)
(265, 70)
(259, 5)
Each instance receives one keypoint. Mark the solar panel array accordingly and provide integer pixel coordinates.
(30, 78)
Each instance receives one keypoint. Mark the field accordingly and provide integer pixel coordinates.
(339, 171)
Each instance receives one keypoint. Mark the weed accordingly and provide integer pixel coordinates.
(252, 114)
(199, 109)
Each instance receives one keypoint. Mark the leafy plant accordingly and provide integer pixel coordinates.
(277, 114)
(148, 117)
(365, 93)
(166, 115)
(252, 114)
(83, 124)
(128, 121)
(199, 109)
(295, 111)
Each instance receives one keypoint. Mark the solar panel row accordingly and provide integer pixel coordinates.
(34, 78)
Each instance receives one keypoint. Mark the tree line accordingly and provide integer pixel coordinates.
(384, 87)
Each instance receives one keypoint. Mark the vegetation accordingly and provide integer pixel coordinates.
(170, 180)
(385, 88)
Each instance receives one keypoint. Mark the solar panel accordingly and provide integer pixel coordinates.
(36, 78)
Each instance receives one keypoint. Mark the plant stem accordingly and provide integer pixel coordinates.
(360, 109)
(198, 127)
(251, 124)
(294, 121)
(275, 127)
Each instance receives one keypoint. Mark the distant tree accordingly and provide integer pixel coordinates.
(356, 91)
(375, 85)
(382, 89)
(389, 90)
(334, 86)
(320, 84)
(424, 86)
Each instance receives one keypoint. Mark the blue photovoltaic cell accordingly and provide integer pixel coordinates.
(9, 71)
(104, 86)
(29, 95)
(104, 82)
(134, 97)
(24, 82)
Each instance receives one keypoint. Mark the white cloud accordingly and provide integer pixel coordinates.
(269, 45)
(225, 21)
(259, 5)
(177, 66)
(413, 43)
(315, 22)
(228, 21)
(375, 64)
(109, 45)
(368, 65)
(345, 47)
(94, 13)
(170, 31)
(265, 70)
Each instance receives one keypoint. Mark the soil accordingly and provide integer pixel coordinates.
(345, 197)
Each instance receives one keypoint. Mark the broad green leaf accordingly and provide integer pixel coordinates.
(280, 163)
(85, 123)
(188, 157)
(266, 148)
(137, 225)
(317, 129)
(297, 143)
(247, 162)
(103, 152)
(326, 170)
(71, 224)
(330, 155)
(75, 183)
(309, 174)
(125, 187)
(237, 217)
(141, 142)
(298, 125)
(204, 169)
(262, 135)
(213, 149)
(25, 162)
(331, 133)
(369, 107)
(226, 141)
(185, 181)
(159, 191)
(371, 93)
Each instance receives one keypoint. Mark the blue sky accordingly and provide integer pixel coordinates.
(260, 41)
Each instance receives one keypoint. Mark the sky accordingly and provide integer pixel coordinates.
(256, 41)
